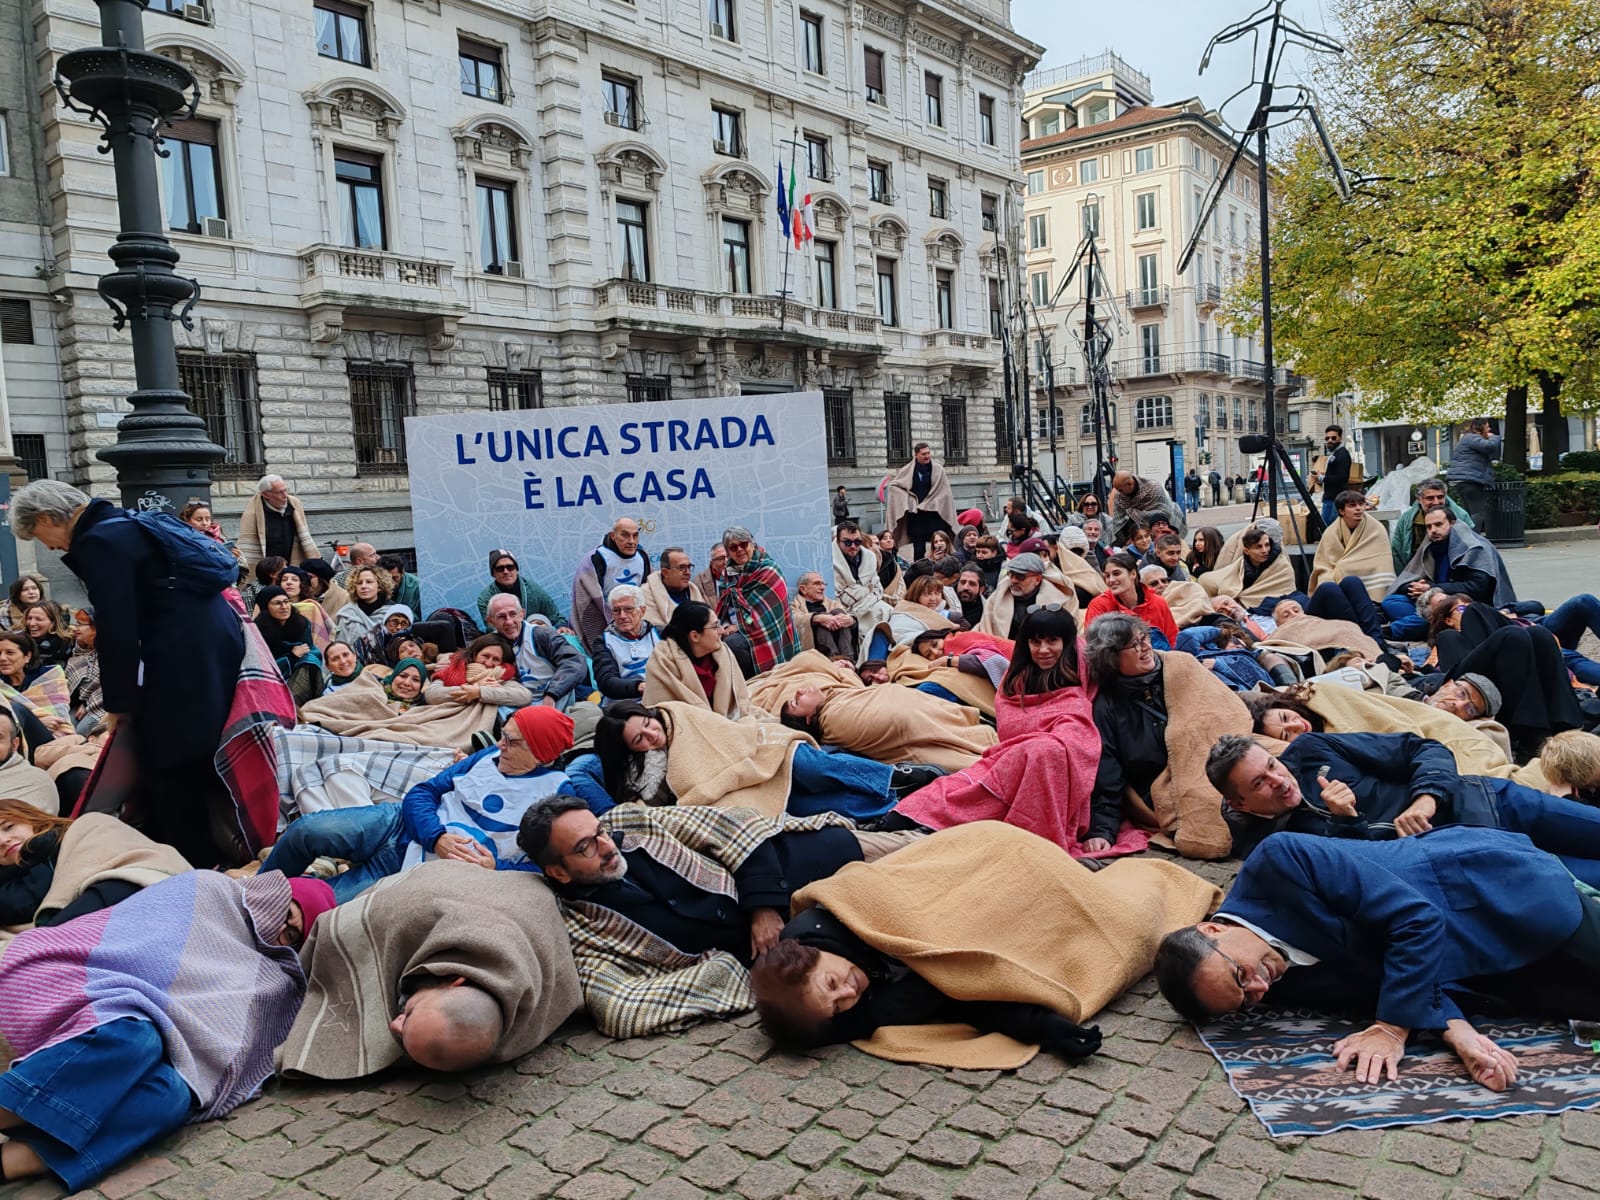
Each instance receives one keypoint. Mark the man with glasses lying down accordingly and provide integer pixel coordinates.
(667, 907)
(1409, 931)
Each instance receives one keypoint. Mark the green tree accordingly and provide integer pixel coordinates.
(1465, 270)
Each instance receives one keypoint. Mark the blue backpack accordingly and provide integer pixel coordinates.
(200, 565)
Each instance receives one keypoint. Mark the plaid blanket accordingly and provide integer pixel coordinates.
(756, 602)
(306, 757)
(636, 983)
(47, 696)
(244, 760)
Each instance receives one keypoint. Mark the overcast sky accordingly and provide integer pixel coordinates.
(1162, 38)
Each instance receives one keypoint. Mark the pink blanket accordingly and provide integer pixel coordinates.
(1038, 778)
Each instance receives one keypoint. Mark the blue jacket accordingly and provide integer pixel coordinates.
(419, 810)
(1387, 771)
(1472, 461)
(1396, 923)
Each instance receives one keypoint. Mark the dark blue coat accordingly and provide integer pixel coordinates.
(1400, 921)
(189, 645)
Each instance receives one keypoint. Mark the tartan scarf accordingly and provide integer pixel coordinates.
(756, 603)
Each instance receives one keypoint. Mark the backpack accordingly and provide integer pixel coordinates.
(200, 565)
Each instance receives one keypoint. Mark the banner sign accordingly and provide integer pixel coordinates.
(547, 484)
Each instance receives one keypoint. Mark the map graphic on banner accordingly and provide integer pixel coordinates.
(547, 484)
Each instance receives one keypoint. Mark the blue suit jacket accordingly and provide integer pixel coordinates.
(1403, 920)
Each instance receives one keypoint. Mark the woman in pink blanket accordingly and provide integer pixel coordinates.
(1040, 776)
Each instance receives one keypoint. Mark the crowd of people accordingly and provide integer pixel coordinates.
(703, 791)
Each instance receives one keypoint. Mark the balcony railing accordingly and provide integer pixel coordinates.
(691, 308)
(377, 281)
(1207, 295)
(1156, 297)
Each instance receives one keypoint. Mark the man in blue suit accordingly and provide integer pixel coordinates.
(1394, 928)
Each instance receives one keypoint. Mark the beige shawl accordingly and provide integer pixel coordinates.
(1276, 580)
(500, 930)
(901, 503)
(888, 724)
(1188, 601)
(1320, 633)
(1200, 709)
(97, 848)
(729, 764)
(1079, 571)
(950, 907)
(863, 598)
(21, 780)
(1055, 589)
(669, 675)
(801, 616)
(908, 667)
(658, 605)
(1364, 554)
(911, 619)
(364, 710)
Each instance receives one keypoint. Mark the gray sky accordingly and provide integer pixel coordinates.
(1162, 38)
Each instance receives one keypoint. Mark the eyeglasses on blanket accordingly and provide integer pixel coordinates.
(1033, 608)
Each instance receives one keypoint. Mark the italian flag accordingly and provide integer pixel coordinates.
(801, 216)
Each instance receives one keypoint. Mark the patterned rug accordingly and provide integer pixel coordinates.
(1281, 1063)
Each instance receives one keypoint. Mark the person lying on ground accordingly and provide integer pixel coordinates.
(1400, 930)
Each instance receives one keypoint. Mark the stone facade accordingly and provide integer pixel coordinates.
(312, 338)
(1095, 139)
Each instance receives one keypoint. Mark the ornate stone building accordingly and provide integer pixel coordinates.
(400, 207)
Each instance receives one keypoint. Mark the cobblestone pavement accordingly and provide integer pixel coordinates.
(716, 1111)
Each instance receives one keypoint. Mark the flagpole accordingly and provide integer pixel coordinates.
(788, 241)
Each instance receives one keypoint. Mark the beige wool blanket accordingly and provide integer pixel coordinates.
(1320, 633)
(887, 724)
(1055, 588)
(1363, 553)
(730, 764)
(669, 675)
(98, 847)
(1200, 709)
(949, 907)
(801, 616)
(500, 930)
(862, 596)
(1079, 572)
(364, 710)
(1276, 580)
(1189, 602)
(658, 605)
(900, 502)
(908, 667)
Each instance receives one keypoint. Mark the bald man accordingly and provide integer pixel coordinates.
(618, 559)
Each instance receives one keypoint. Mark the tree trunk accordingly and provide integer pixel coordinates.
(1552, 424)
(1516, 428)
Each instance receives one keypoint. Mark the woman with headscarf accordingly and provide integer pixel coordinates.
(289, 640)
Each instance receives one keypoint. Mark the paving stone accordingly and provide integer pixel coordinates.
(1164, 1088)
(830, 1183)
(341, 1178)
(197, 1183)
(1147, 1182)
(822, 1092)
(584, 1108)
(1507, 1141)
(523, 1183)
(851, 1122)
(721, 1108)
(596, 1185)
(913, 1181)
(254, 1120)
(876, 1153)
(942, 1097)
(1580, 1127)
(1148, 1120)
(1182, 1151)
(1386, 1182)
(628, 1122)
(991, 1183)
(1029, 1156)
(875, 1101)
(975, 1118)
(761, 1086)
(768, 1181)
(904, 1081)
(639, 1164)
(1062, 1191)
(1225, 1183)
(1077, 1096)
(1063, 1128)
(1574, 1164)
(909, 1121)
(676, 1189)
(1113, 1146)
(757, 1138)
(1552, 1189)
(1438, 1155)
(681, 1138)
(1497, 1178)
(577, 1153)
(946, 1148)
(1322, 1167)
(715, 1168)
(1091, 1176)
(541, 1136)
(435, 1155)
(146, 1172)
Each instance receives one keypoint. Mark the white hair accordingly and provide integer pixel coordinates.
(1151, 571)
(502, 600)
(625, 591)
(737, 533)
(267, 482)
(44, 498)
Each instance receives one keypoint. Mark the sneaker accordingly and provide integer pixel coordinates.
(908, 777)
(481, 740)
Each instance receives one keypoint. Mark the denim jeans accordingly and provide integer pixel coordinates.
(1197, 638)
(1330, 514)
(371, 837)
(843, 783)
(1569, 621)
(1557, 825)
(1402, 613)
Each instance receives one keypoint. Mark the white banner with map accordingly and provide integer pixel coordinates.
(547, 484)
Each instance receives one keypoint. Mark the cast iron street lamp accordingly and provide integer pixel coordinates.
(163, 454)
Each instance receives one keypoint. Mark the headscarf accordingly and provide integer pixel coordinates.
(548, 731)
(281, 636)
(391, 646)
(422, 672)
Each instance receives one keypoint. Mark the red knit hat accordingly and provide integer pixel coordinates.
(548, 731)
(314, 897)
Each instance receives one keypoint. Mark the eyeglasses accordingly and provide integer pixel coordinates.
(683, 566)
(1142, 642)
(849, 541)
(1241, 977)
(738, 546)
(1033, 608)
(624, 608)
(589, 847)
(504, 567)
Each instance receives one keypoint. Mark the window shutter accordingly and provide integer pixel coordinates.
(874, 64)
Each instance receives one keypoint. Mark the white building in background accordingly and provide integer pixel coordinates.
(1098, 157)
(400, 207)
